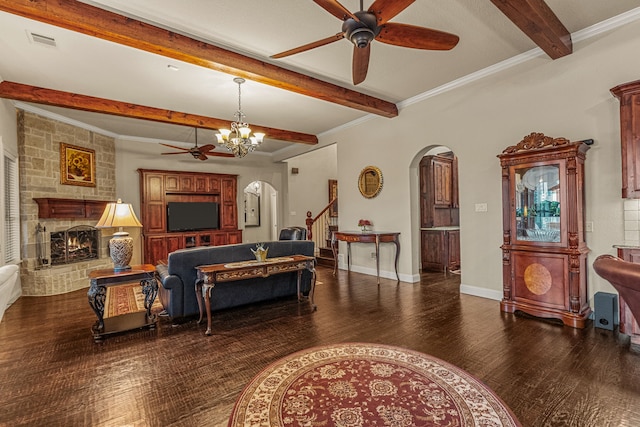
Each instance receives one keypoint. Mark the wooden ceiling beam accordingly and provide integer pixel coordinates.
(80, 17)
(39, 95)
(537, 20)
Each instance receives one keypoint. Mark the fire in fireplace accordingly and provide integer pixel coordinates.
(80, 243)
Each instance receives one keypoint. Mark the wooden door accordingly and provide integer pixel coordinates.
(229, 208)
(153, 204)
(433, 250)
(441, 170)
(453, 237)
(155, 250)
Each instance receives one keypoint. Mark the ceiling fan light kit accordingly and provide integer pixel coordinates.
(362, 27)
(239, 140)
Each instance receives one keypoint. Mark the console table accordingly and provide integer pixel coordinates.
(210, 275)
(375, 237)
(97, 294)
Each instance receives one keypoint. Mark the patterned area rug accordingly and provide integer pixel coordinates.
(127, 298)
(356, 384)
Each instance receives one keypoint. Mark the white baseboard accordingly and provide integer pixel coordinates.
(409, 278)
(481, 292)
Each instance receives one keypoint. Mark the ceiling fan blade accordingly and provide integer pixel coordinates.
(175, 146)
(202, 156)
(336, 9)
(206, 148)
(387, 9)
(406, 35)
(217, 154)
(360, 64)
(175, 152)
(309, 46)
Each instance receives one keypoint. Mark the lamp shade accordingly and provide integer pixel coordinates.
(121, 245)
(118, 215)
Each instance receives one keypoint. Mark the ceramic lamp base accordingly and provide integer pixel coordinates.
(121, 251)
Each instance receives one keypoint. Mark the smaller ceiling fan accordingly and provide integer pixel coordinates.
(362, 27)
(200, 153)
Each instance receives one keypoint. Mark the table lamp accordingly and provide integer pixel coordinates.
(121, 244)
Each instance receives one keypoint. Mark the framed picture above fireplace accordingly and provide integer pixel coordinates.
(77, 165)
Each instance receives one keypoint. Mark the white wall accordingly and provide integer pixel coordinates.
(309, 189)
(568, 97)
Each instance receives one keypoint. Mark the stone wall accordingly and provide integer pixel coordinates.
(39, 141)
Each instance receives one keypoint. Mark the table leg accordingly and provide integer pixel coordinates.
(349, 256)
(206, 290)
(397, 258)
(334, 244)
(150, 291)
(97, 295)
(311, 268)
(312, 290)
(378, 258)
(198, 286)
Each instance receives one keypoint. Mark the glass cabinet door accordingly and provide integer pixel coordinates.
(537, 203)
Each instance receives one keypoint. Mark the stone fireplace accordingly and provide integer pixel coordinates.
(42, 271)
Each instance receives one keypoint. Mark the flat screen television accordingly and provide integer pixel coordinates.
(191, 216)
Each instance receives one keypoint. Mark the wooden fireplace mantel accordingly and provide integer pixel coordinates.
(50, 207)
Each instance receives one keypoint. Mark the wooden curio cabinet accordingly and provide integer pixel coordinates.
(544, 253)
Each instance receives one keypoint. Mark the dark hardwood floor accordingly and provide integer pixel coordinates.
(53, 374)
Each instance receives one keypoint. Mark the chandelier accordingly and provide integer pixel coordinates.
(239, 139)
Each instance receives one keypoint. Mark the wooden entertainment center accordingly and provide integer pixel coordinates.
(159, 187)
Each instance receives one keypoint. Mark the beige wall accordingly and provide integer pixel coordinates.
(309, 189)
(568, 98)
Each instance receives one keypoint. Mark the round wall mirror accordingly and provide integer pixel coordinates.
(370, 182)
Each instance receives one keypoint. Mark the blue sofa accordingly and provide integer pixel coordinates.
(177, 279)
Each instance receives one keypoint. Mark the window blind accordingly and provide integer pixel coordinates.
(11, 212)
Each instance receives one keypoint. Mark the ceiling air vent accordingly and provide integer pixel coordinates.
(43, 40)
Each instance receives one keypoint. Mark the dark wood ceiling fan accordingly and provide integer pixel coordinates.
(200, 153)
(362, 27)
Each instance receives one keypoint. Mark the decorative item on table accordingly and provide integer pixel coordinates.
(121, 244)
(364, 223)
(260, 252)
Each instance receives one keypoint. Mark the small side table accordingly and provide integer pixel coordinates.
(102, 279)
(375, 237)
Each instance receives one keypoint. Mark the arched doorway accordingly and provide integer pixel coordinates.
(438, 210)
(260, 212)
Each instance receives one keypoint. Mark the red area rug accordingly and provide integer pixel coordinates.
(357, 384)
(126, 298)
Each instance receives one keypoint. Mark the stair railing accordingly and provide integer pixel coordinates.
(319, 227)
